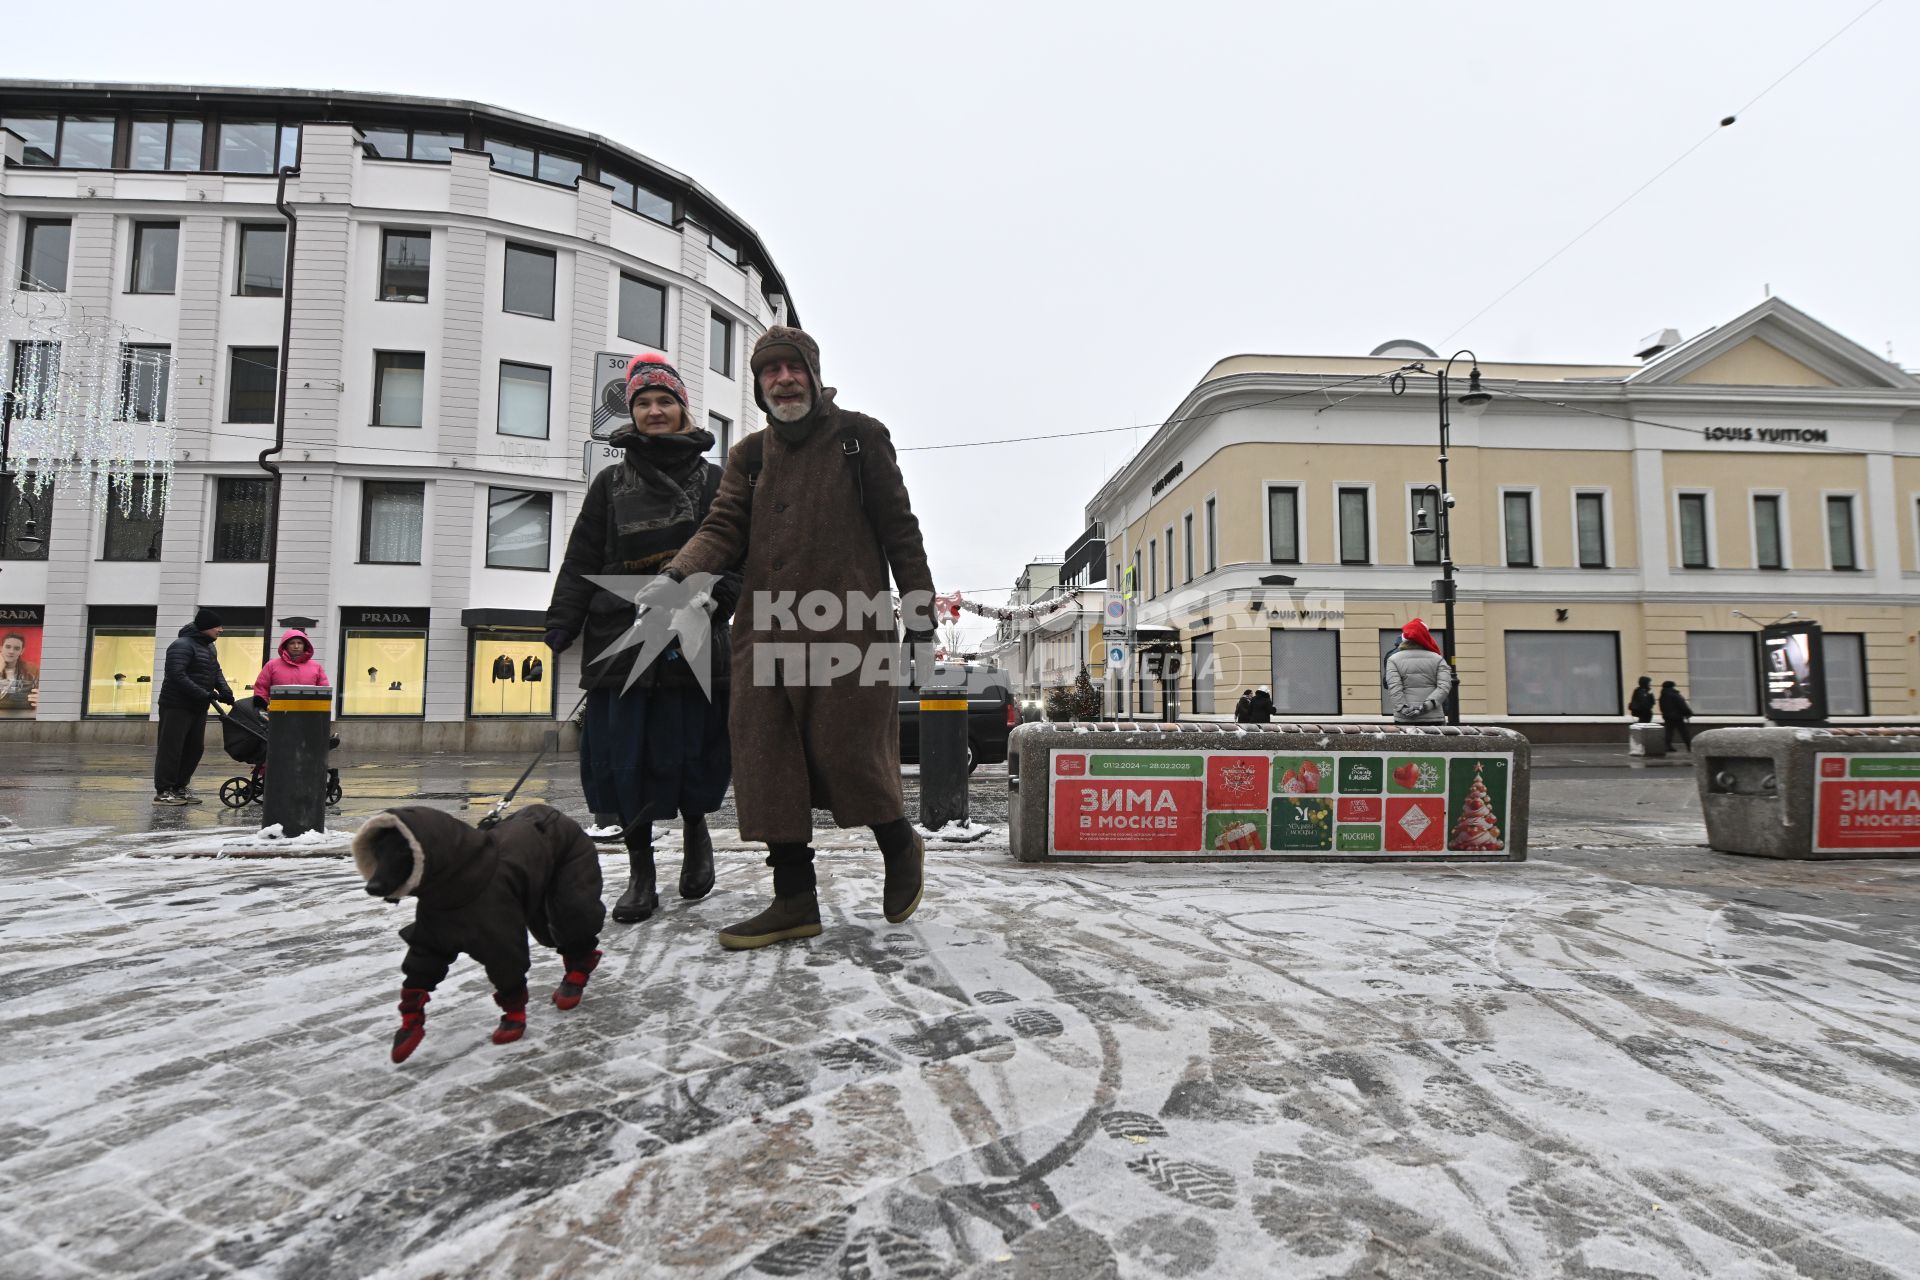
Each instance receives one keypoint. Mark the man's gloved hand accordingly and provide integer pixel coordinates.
(558, 639)
(1407, 711)
(660, 591)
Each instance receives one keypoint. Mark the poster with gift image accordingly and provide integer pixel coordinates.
(20, 635)
(1477, 804)
(1230, 832)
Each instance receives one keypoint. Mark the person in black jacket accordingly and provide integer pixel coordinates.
(1260, 706)
(192, 683)
(1674, 713)
(480, 892)
(1641, 702)
(1243, 708)
(653, 744)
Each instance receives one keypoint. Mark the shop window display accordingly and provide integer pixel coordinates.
(120, 671)
(383, 672)
(238, 651)
(20, 630)
(512, 674)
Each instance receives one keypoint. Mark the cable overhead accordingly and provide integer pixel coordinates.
(1708, 136)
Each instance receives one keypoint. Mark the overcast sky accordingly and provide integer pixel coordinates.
(1010, 219)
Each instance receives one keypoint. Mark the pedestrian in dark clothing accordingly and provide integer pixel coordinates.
(1641, 702)
(654, 744)
(1260, 706)
(481, 893)
(192, 682)
(1675, 713)
(1242, 707)
(814, 506)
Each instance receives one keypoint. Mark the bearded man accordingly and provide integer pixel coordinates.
(813, 512)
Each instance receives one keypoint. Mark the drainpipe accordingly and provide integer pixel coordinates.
(279, 411)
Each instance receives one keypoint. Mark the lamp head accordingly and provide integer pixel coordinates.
(29, 541)
(1420, 521)
(1475, 394)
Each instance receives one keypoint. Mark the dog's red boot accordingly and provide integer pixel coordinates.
(413, 1022)
(513, 1015)
(574, 984)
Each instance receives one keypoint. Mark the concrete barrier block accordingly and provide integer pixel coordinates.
(1811, 793)
(1646, 740)
(1204, 791)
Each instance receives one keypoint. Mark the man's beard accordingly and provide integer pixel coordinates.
(792, 412)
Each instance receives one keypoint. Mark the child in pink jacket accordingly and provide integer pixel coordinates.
(295, 665)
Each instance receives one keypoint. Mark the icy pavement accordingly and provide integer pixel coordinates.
(1646, 1060)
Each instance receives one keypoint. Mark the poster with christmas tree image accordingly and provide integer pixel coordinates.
(1477, 807)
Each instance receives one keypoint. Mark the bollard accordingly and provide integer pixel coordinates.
(943, 747)
(299, 720)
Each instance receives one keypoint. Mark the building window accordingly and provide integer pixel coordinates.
(519, 529)
(1306, 672)
(1723, 673)
(134, 519)
(529, 281)
(722, 431)
(17, 508)
(1153, 568)
(1769, 546)
(1203, 675)
(36, 378)
(383, 671)
(510, 158)
(405, 257)
(1844, 654)
(257, 146)
(1563, 673)
(1356, 543)
(1283, 524)
(395, 143)
(144, 373)
(237, 650)
(643, 312)
(1840, 540)
(1146, 682)
(561, 171)
(156, 257)
(392, 514)
(1133, 588)
(165, 144)
(512, 673)
(1389, 641)
(723, 248)
(253, 376)
(720, 344)
(1694, 550)
(20, 648)
(524, 393)
(631, 195)
(72, 142)
(1518, 515)
(1186, 545)
(1426, 541)
(242, 512)
(263, 261)
(1213, 543)
(1590, 529)
(399, 388)
(1169, 538)
(119, 671)
(43, 258)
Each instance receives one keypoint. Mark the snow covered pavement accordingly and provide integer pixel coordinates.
(1636, 1061)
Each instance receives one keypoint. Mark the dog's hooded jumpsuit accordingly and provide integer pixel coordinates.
(481, 892)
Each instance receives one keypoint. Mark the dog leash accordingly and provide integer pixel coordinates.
(547, 743)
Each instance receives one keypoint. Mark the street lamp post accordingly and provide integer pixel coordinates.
(1443, 590)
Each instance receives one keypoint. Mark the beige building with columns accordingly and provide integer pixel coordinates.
(1610, 522)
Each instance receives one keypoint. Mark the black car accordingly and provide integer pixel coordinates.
(992, 712)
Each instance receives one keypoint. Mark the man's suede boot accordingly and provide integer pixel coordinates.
(796, 916)
(906, 871)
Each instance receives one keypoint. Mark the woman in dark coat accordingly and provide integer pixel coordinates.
(654, 745)
(1675, 713)
(1641, 703)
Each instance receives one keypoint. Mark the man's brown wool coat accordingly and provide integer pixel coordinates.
(799, 530)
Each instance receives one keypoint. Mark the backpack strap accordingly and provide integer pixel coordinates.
(753, 460)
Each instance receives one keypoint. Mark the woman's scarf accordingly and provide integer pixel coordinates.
(656, 497)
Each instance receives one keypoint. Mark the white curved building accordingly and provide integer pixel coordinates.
(458, 272)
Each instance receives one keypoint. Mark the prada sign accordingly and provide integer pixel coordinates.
(411, 618)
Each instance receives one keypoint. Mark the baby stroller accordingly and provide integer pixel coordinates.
(243, 732)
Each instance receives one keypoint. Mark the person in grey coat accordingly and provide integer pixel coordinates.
(1418, 678)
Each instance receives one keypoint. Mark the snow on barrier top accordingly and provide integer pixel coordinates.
(1812, 793)
(1207, 791)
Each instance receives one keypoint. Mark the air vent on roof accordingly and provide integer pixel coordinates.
(1654, 343)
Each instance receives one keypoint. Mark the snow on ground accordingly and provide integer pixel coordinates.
(1643, 1061)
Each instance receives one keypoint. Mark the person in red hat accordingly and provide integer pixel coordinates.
(1418, 678)
(654, 744)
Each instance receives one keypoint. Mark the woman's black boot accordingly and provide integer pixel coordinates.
(641, 899)
(696, 858)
